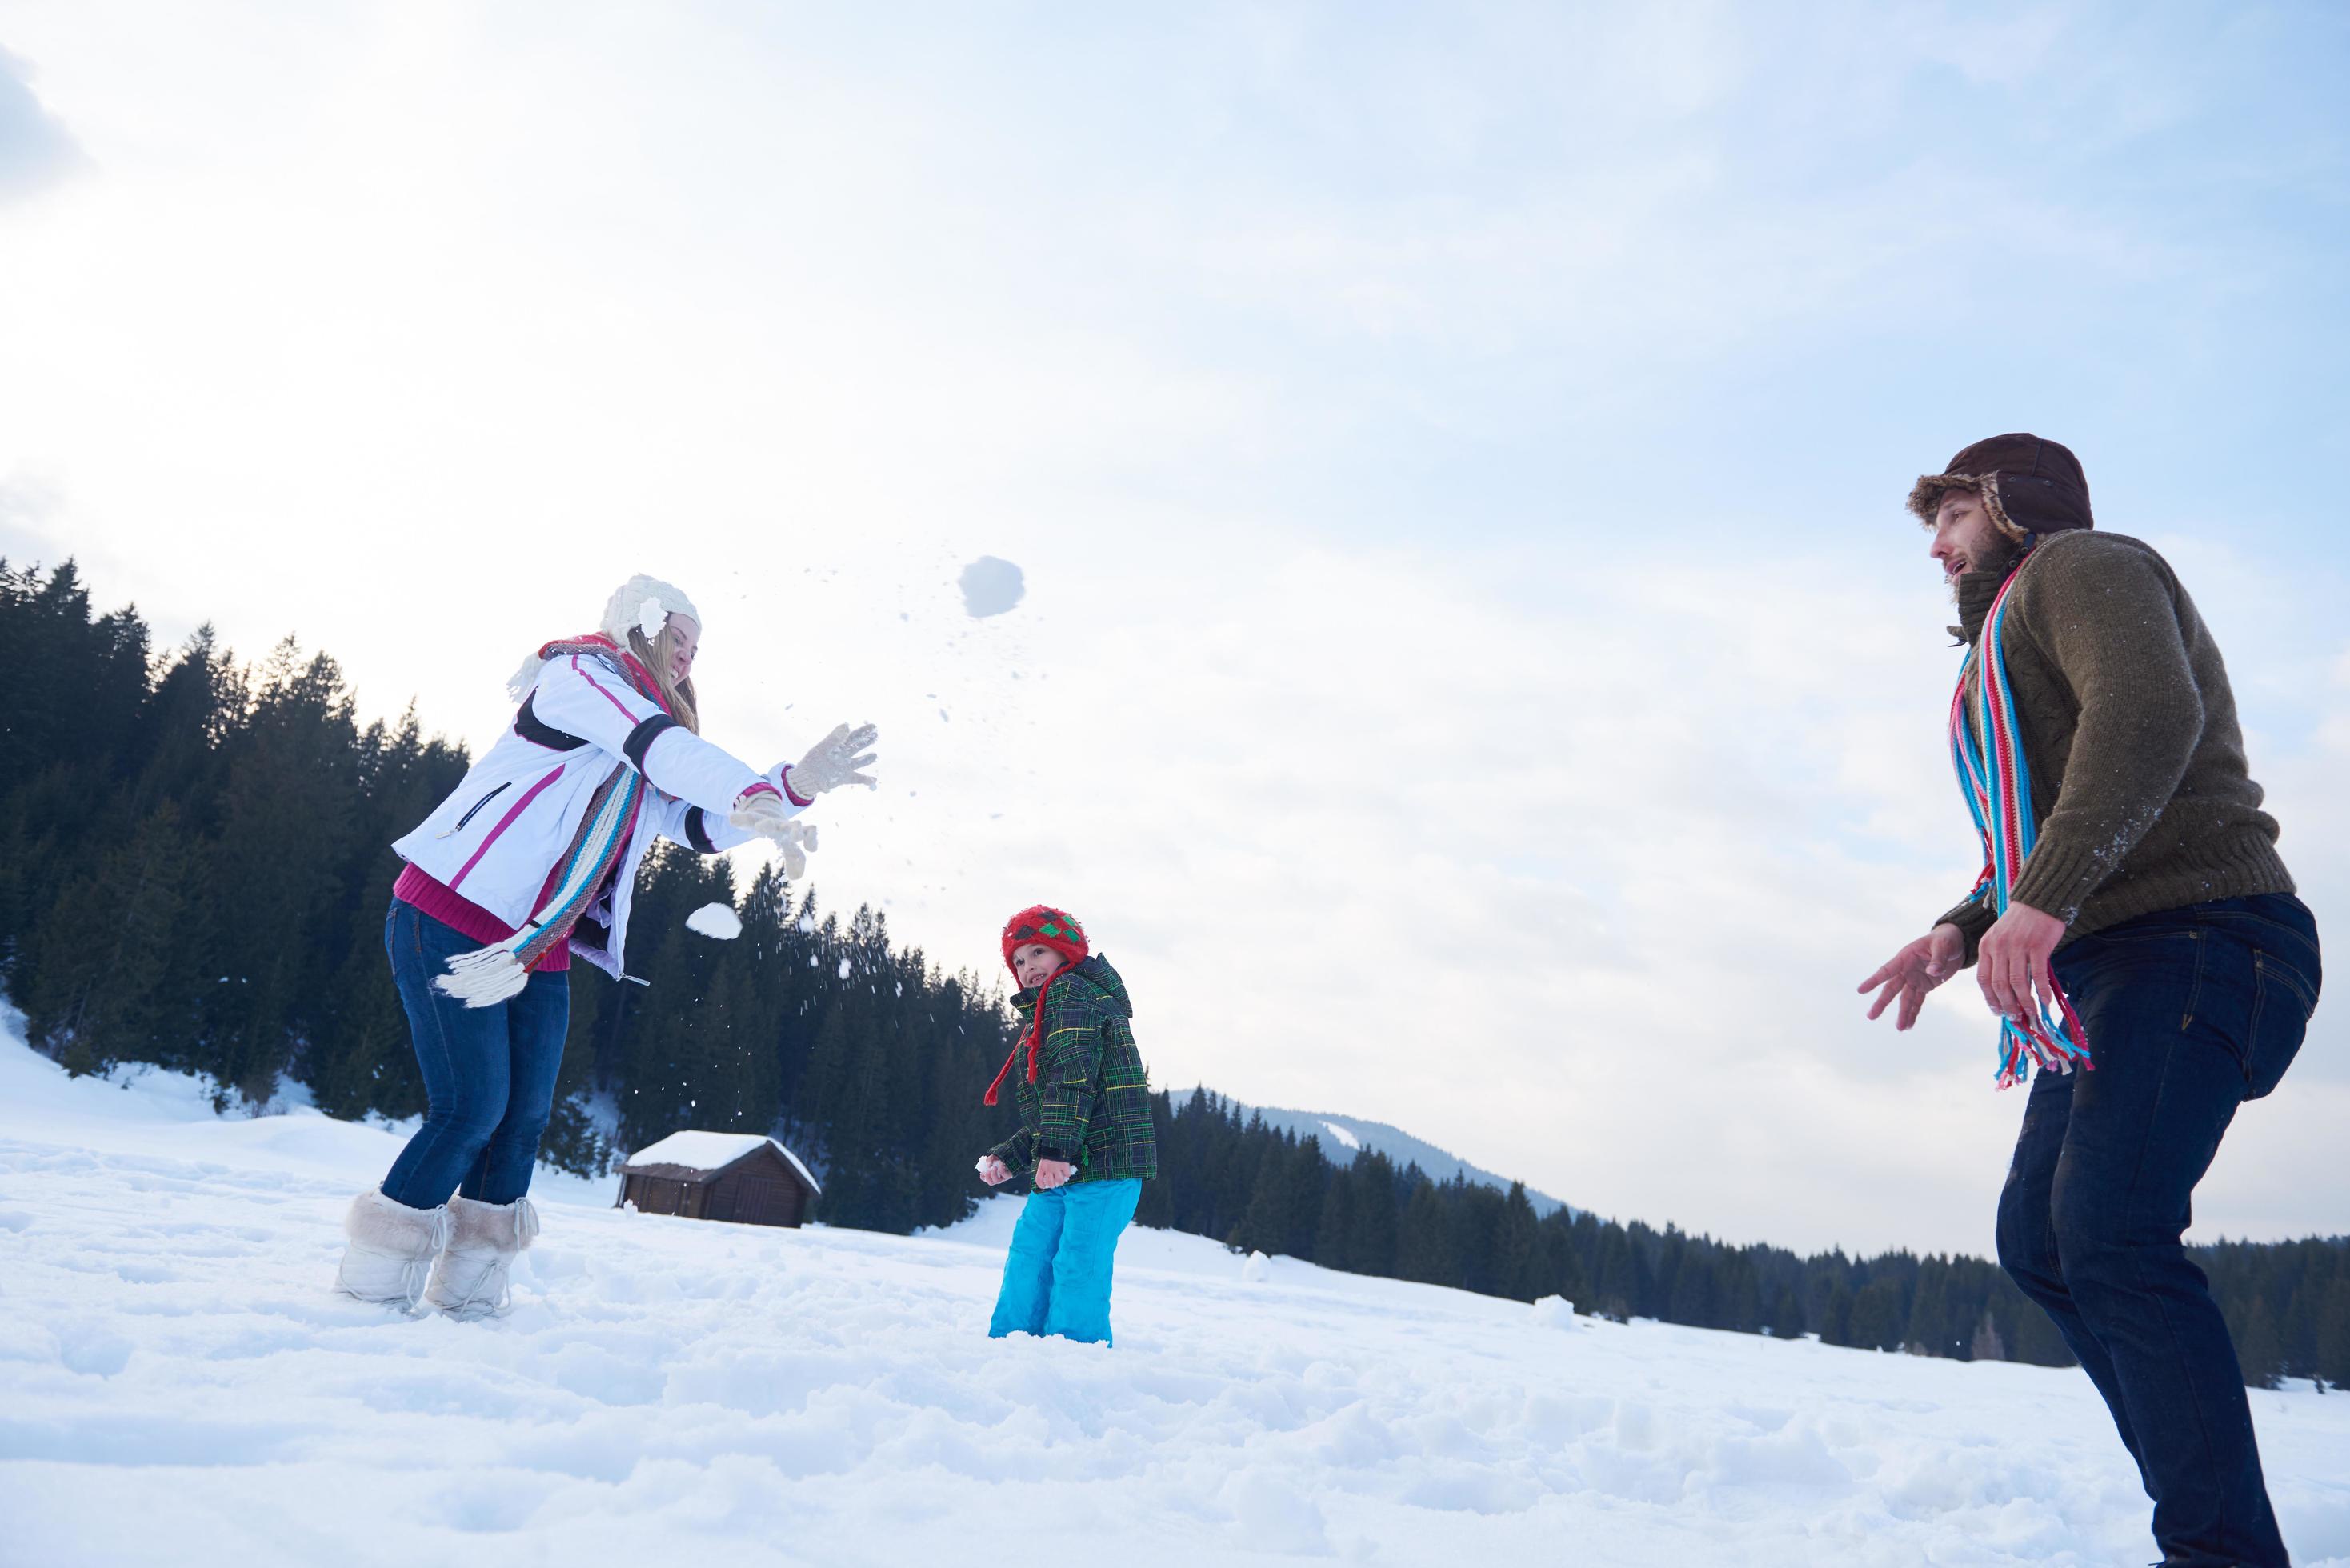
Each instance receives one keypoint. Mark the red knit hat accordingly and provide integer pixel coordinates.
(1043, 923)
(1054, 928)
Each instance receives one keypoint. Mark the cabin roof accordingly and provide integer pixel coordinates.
(712, 1152)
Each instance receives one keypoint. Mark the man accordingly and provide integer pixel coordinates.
(2141, 886)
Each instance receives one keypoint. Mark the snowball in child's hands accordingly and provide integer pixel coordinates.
(982, 1163)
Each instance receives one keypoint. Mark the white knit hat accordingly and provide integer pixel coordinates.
(640, 604)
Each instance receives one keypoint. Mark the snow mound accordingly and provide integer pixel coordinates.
(179, 1384)
(1555, 1312)
(715, 920)
(991, 587)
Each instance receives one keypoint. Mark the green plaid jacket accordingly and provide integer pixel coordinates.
(1090, 1105)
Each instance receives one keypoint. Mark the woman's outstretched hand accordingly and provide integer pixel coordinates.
(836, 761)
(1916, 970)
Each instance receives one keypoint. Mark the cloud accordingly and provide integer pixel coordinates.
(35, 148)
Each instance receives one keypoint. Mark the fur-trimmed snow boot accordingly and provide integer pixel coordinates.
(470, 1280)
(392, 1250)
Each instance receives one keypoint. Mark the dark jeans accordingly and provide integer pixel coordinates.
(2188, 1014)
(489, 1072)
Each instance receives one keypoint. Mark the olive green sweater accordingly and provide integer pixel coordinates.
(2139, 782)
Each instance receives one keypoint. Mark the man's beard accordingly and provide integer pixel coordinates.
(1999, 556)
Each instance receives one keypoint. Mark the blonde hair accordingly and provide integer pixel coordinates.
(658, 656)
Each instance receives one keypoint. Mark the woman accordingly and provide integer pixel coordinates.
(533, 859)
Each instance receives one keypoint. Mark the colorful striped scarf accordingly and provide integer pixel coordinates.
(1998, 787)
(490, 975)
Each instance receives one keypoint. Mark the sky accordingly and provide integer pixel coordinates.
(1474, 672)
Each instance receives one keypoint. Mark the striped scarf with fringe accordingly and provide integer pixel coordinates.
(1998, 790)
(490, 975)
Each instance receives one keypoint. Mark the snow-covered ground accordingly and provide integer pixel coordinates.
(178, 1386)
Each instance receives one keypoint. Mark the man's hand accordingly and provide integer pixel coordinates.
(994, 1171)
(2013, 961)
(1916, 970)
(1051, 1173)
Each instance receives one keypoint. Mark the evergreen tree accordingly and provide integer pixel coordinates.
(111, 978)
(1692, 1288)
(2333, 1331)
(1376, 1222)
(1425, 1247)
(1517, 1270)
(2258, 1348)
(1877, 1316)
(1333, 1225)
(1834, 1316)
(1558, 1262)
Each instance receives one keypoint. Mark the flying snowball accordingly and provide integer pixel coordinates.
(991, 587)
(715, 920)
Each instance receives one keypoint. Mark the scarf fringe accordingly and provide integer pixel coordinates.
(484, 977)
(487, 976)
(1998, 790)
(1032, 1039)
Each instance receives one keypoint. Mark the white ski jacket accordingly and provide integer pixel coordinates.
(499, 836)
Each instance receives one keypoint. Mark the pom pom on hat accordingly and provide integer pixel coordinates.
(1043, 923)
(642, 604)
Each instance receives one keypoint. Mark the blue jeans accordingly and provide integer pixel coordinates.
(2188, 1014)
(1057, 1276)
(489, 1072)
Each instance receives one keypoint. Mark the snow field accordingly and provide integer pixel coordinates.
(177, 1384)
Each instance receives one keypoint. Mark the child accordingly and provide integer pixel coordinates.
(1085, 1131)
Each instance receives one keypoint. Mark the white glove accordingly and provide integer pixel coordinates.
(763, 812)
(835, 762)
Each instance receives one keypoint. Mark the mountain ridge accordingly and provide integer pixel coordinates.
(1335, 1129)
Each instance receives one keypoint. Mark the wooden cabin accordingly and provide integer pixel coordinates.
(741, 1177)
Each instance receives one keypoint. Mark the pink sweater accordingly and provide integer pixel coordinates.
(460, 914)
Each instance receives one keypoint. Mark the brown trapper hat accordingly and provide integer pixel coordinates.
(2029, 485)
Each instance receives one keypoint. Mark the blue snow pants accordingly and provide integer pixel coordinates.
(1056, 1277)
